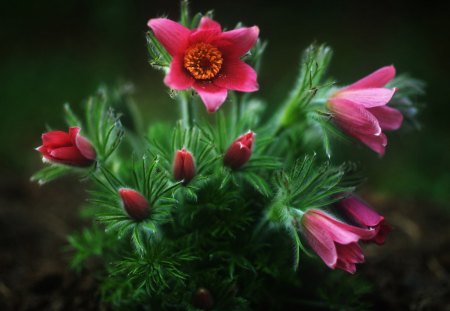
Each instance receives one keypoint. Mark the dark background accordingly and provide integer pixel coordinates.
(52, 52)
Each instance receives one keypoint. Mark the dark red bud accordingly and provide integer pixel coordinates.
(203, 299)
(239, 151)
(67, 148)
(183, 166)
(135, 204)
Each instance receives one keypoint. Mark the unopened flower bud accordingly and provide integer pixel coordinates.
(239, 151)
(183, 166)
(67, 148)
(203, 299)
(135, 204)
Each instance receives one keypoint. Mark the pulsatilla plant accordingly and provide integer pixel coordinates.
(217, 211)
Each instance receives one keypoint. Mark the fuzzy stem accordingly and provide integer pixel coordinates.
(184, 109)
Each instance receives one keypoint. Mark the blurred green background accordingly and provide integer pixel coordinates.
(54, 52)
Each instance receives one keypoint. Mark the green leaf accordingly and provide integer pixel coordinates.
(50, 173)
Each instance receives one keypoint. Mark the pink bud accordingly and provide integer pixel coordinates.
(183, 166)
(239, 151)
(364, 216)
(67, 148)
(135, 204)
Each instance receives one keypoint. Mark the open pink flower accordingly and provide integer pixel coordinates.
(335, 242)
(362, 215)
(67, 148)
(360, 109)
(207, 59)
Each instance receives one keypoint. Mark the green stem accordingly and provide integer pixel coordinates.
(184, 109)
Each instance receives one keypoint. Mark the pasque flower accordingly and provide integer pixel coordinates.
(335, 242)
(134, 203)
(361, 110)
(183, 166)
(67, 148)
(207, 59)
(239, 151)
(362, 215)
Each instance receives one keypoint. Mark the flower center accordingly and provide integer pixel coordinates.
(203, 61)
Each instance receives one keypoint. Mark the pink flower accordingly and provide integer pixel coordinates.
(361, 214)
(207, 59)
(67, 148)
(134, 203)
(239, 151)
(335, 242)
(360, 109)
(183, 166)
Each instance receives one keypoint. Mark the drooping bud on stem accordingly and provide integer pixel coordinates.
(183, 166)
(135, 204)
(239, 151)
(203, 299)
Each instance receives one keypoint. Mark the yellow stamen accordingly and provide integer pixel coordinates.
(203, 61)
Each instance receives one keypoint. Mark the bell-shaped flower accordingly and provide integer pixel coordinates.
(134, 203)
(364, 216)
(361, 110)
(239, 151)
(334, 241)
(67, 148)
(183, 166)
(207, 59)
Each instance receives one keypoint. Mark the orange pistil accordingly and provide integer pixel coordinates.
(203, 61)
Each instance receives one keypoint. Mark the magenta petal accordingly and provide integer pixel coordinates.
(211, 95)
(238, 41)
(348, 256)
(341, 232)
(68, 155)
(388, 118)
(85, 147)
(172, 35)
(56, 139)
(207, 23)
(354, 118)
(368, 98)
(377, 79)
(178, 78)
(237, 75)
(376, 143)
(319, 240)
(360, 212)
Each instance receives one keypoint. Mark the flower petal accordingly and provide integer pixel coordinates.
(178, 78)
(211, 95)
(377, 79)
(360, 212)
(376, 143)
(68, 155)
(388, 118)
(208, 23)
(354, 118)
(56, 139)
(371, 97)
(238, 41)
(319, 240)
(238, 76)
(348, 255)
(85, 147)
(172, 35)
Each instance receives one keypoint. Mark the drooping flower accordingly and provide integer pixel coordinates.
(239, 151)
(361, 110)
(67, 148)
(335, 242)
(365, 217)
(134, 203)
(207, 59)
(183, 166)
